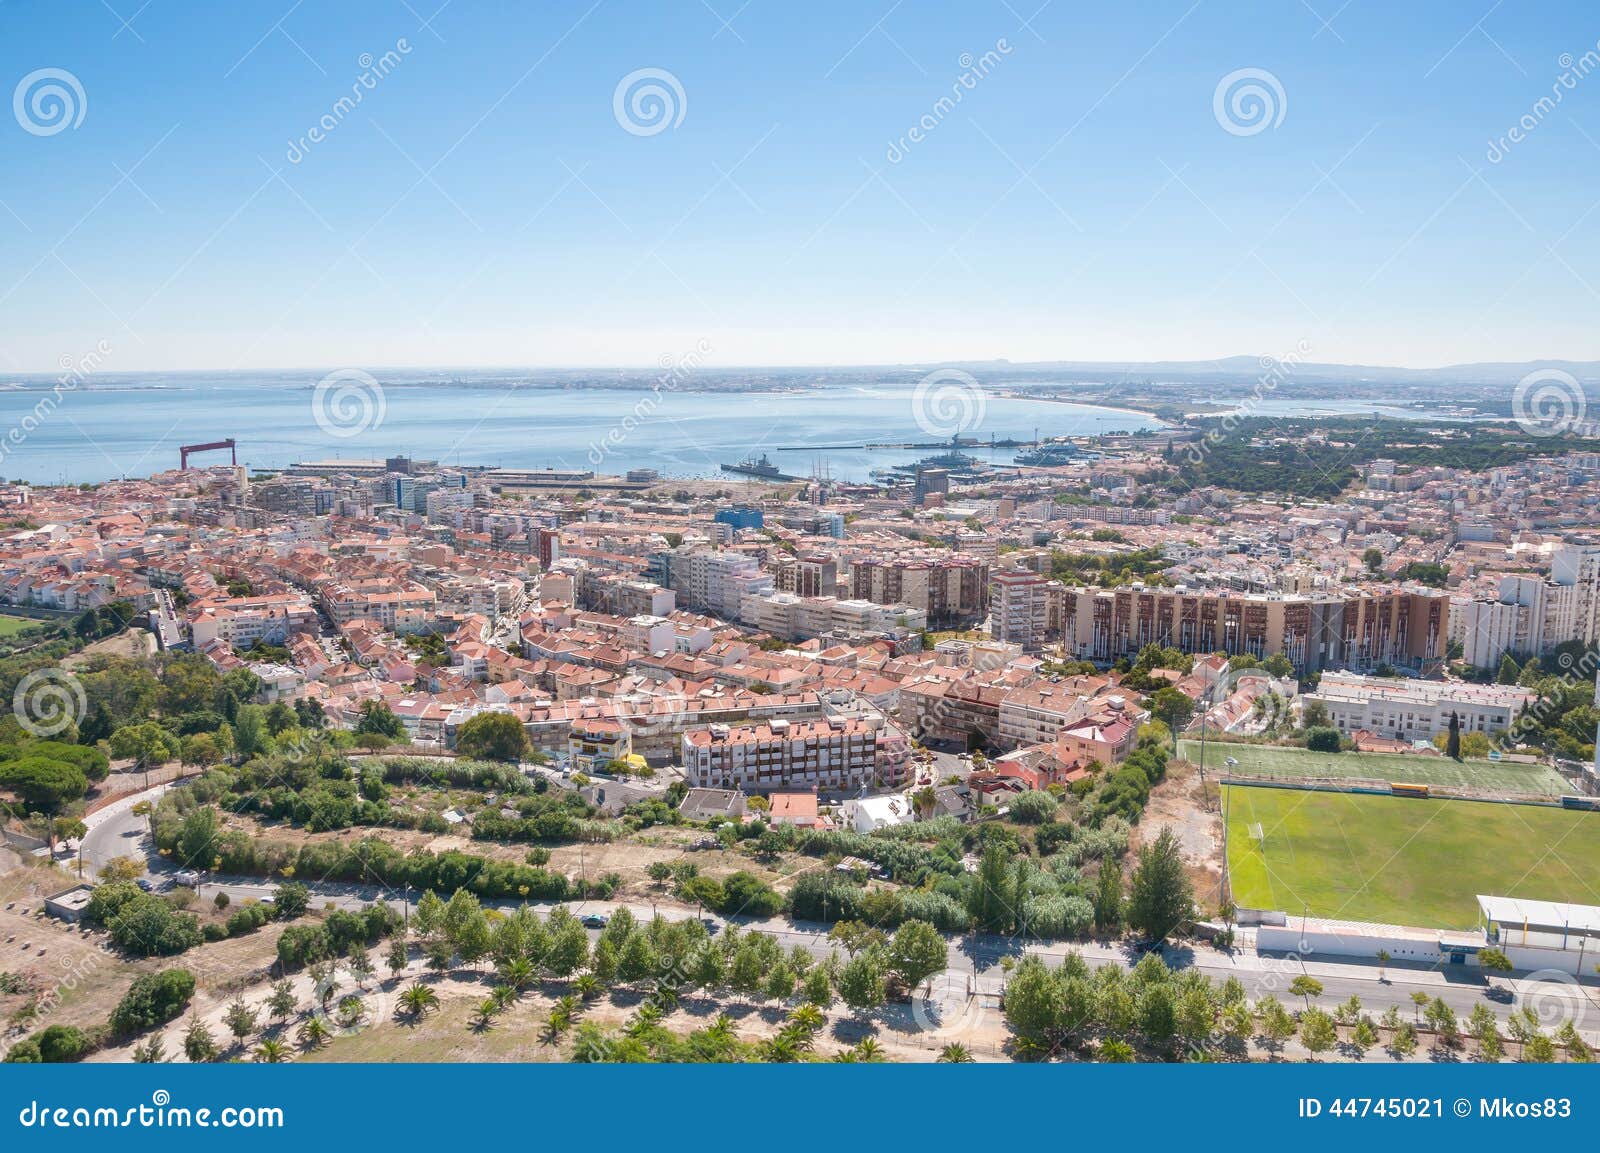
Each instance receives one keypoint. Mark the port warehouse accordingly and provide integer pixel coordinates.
(1387, 875)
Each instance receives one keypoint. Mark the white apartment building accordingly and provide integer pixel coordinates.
(1019, 609)
(800, 618)
(831, 755)
(716, 582)
(242, 621)
(1415, 710)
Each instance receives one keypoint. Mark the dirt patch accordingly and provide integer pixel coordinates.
(1181, 804)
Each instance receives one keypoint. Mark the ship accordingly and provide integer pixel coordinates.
(762, 469)
(1050, 453)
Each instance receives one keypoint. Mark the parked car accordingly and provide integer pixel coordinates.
(594, 920)
(144, 883)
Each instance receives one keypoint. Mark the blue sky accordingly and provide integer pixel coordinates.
(483, 204)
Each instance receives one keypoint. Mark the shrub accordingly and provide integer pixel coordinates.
(153, 999)
(1323, 740)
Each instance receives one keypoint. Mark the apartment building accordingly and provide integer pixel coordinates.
(1019, 609)
(1036, 713)
(1357, 629)
(399, 607)
(794, 617)
(242, 621)
(1415, 710)
(952, 590)
(830, 755)
(715, 581)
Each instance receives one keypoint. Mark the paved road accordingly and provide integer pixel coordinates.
(977, 958)
(116, 831)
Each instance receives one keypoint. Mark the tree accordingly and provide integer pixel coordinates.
(955, 1053)
(1324, 740)
(916, 952)
(1276, 1024)
(44, 783)
(240, 1020)
(398, 957)
(291, 900)
(198, 1043)
(1306, 986)
(1383, 961)
(861, 981)
(1419, 1001)
(1317, 1032)
(1364, 1036)
(418, 1000)
(379, 720)
(283, 1001)
(1161, 901)
(1493, 960)
(151, 1052)
(146, 744)
(1173, 707)
(1108, 896)
(989, 897)
(314, 1032)
(493, 736)
(271, 1051)
(1279, 665)
(153, 999)
(1509, 670)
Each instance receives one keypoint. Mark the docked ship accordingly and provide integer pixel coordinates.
(762, 469)
(1047, 454)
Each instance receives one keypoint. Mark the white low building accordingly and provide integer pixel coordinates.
(1414, 710)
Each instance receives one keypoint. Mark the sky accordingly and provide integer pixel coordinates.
(870, 182)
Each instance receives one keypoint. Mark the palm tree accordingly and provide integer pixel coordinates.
(315, 1033)
(868, 1050)
(271, 1051)
(587, 986)
(418, 999)
(518, 973)
(721, 1030)
(567, 1006)
(503, 996)
(808, 1017)
(955, 1053)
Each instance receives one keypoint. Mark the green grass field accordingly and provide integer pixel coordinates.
(1276, 761)
(11, 626)
(1400, 861)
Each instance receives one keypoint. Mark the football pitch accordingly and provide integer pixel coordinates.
(1277, 761)
(1403, 861)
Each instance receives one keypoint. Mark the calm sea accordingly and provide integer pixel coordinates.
(99, 433)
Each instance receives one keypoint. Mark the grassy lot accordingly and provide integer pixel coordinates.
(10, 626)
(1396, 860)
(1276, 761)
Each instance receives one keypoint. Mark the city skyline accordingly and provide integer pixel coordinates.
(607, 184)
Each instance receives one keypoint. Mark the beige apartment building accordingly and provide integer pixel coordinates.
(830, 755)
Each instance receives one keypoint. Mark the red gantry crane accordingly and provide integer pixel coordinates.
(185, 449)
